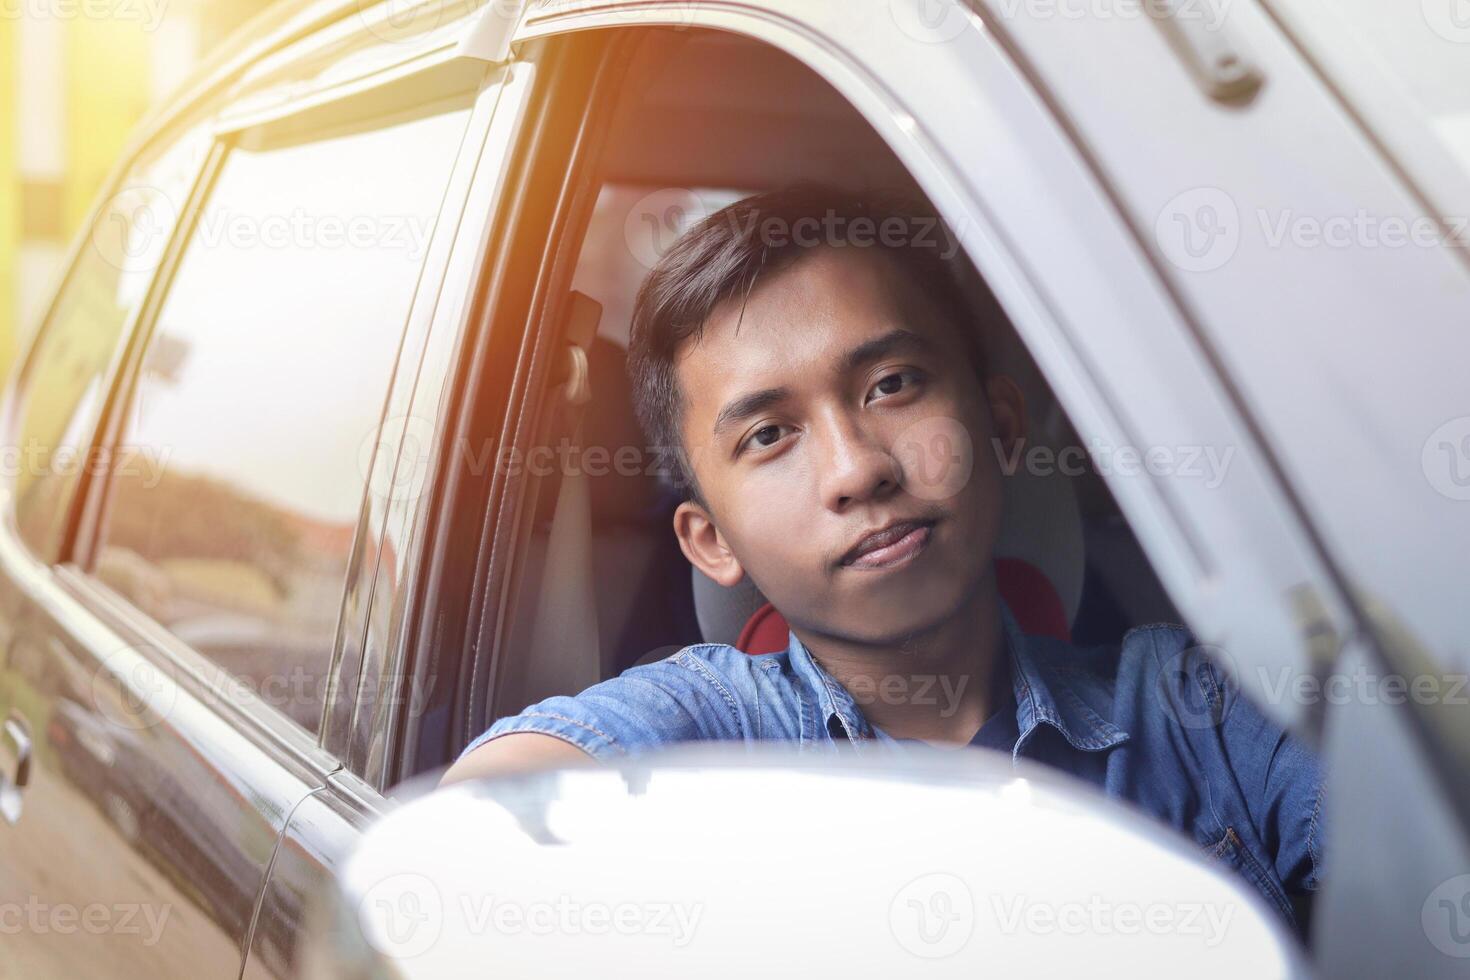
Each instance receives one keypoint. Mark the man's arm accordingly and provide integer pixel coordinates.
(681, 699)
(516, 752)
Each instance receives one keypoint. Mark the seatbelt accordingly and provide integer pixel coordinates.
(566, 654)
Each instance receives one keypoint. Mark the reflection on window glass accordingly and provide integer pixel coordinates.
(60, 392)
(233, 519)
(630, 230)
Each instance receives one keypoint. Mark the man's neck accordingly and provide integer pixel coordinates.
(937, 686)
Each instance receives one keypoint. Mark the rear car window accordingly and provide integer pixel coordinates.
(58, 399)
(260, 388)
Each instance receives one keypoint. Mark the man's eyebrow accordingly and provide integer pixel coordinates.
(747, 405)
(883, 345)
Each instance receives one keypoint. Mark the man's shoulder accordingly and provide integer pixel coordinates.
(1148, 652)
(1169, 674)
(760, 695)
(1102, 672)
(714, 662)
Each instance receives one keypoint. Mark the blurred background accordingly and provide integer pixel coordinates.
(78, 77)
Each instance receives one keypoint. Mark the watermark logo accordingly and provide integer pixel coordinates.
(1446, 917)
(1190, 686)
(132, 228)
(936, 457)
(1450, 19)
(394, 458)
(1445, 459)
(933, 916)
(409, 20)
(930, 21)
(402, 915)
(132, 691)
(656, 221)
(1199, 230)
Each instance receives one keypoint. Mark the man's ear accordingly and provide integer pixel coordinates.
(1007, 411)
(704, 545)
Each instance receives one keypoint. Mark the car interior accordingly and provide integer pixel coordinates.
(707, 119)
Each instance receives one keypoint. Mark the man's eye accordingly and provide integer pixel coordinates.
(892, 384)
(763, 437)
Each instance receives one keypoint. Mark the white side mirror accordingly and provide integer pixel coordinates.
(725, 863)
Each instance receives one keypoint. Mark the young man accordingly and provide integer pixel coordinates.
(815, 363)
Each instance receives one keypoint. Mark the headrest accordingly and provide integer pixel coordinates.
(625, 487)
(622, 480)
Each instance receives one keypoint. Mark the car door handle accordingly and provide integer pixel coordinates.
(1219, 64)
(18, 746)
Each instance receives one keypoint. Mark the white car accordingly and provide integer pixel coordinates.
(284, 523)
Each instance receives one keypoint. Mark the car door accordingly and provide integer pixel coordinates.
(72, 775)
(394, 691)
(968, 113)
(168, 668)
(1316, 231)
(1161, 210)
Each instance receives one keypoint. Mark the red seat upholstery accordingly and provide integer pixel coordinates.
(1032, 600)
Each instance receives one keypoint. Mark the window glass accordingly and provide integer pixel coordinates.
(59, 396)
(260, 389)
(631, 228)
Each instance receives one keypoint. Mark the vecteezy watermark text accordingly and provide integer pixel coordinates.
(147, 13)
(38, 917)
(404, 914)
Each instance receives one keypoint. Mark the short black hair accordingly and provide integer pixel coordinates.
(723, 255)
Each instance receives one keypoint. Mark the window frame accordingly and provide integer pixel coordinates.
(1276, 603)
(362, 729)
(434, 655)
(177, 658)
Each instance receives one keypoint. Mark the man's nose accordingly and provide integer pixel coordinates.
(856, 467)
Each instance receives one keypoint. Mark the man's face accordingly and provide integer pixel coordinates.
(842, 406)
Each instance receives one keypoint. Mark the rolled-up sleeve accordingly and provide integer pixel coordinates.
(685, 698)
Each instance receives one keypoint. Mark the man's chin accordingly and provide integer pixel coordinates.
(892, 616)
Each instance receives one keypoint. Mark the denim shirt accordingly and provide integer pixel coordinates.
(1150, 720)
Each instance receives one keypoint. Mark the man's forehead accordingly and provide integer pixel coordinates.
(792, 330)
(811, 309)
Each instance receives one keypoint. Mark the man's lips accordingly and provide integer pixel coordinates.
(893, 545)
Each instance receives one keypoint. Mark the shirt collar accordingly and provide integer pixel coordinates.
(836, 709)
(1043, 695)
(1046, 694)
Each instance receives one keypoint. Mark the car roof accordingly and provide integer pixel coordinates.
(273, 28)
